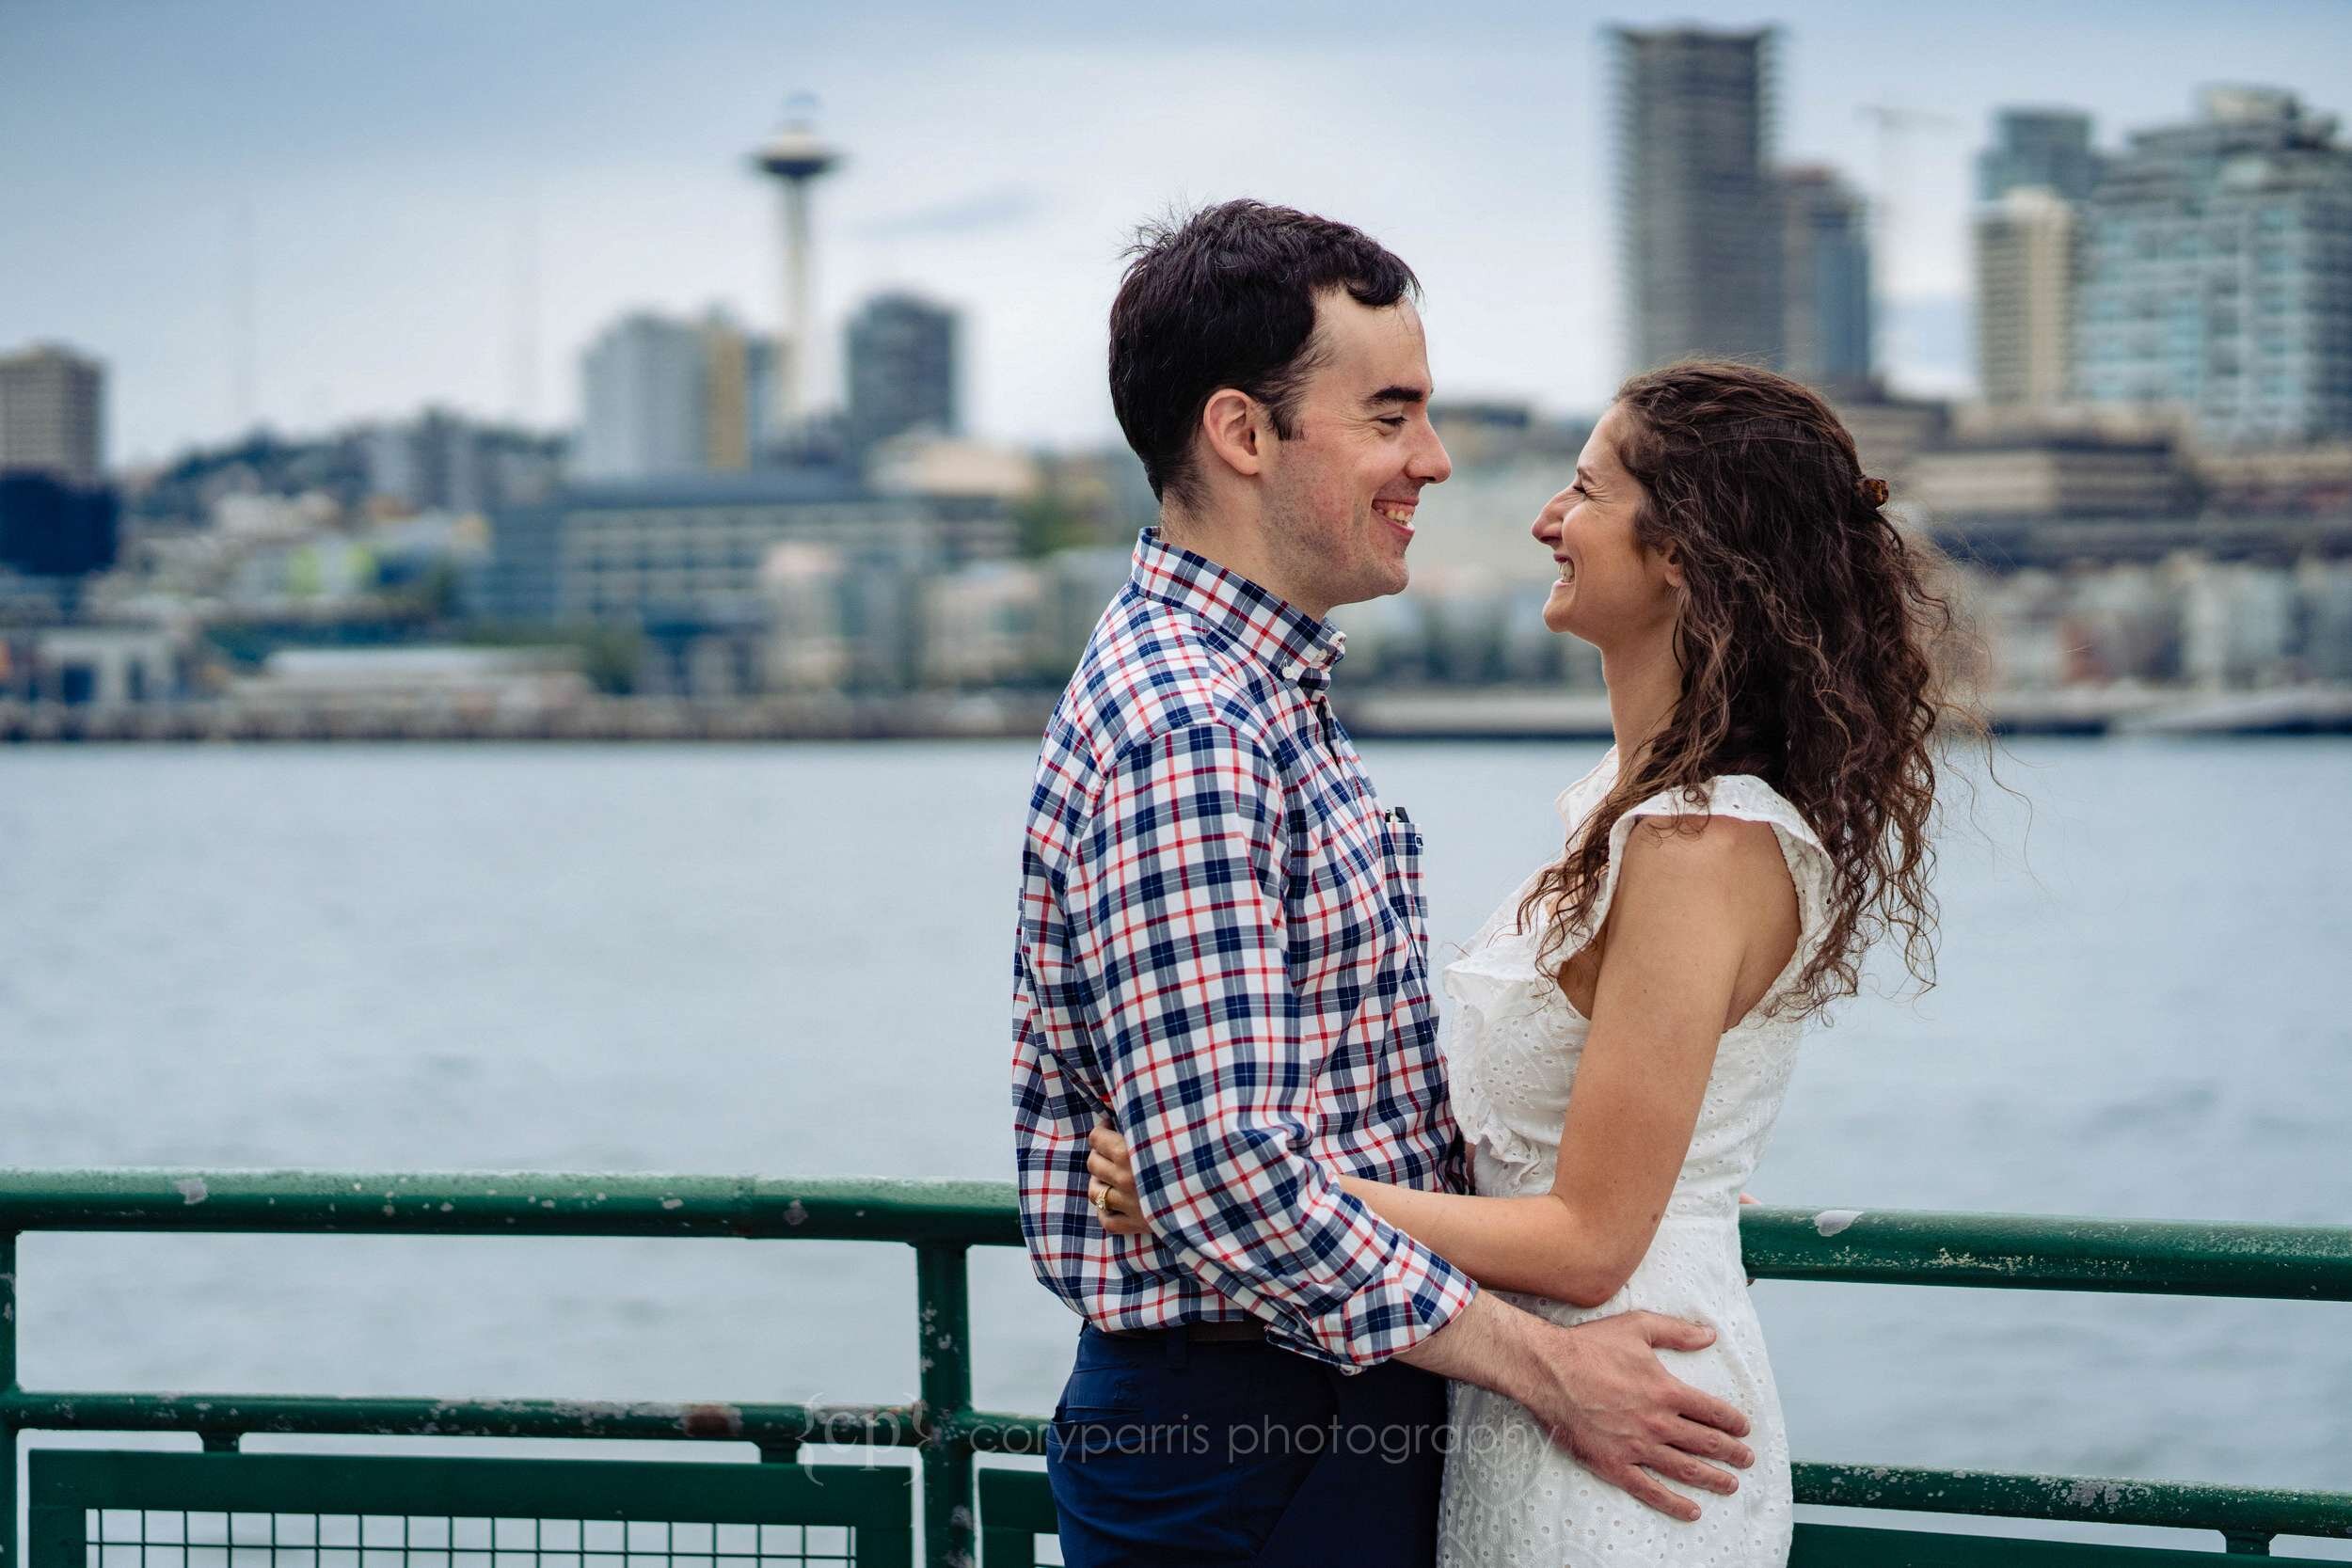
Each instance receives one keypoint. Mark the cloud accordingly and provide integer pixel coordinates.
(1003, 207)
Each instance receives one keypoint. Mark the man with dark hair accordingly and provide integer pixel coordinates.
(1222, 951)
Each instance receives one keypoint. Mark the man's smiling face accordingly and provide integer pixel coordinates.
(1341, 488)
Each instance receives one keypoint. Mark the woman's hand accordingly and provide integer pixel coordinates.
(1113, 1188)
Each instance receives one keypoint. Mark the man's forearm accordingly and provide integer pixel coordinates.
(1491, 1343)
(1283, 1273)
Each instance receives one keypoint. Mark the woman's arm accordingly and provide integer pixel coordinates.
(1698, 917)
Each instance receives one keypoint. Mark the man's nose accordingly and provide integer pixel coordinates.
(1431, 465)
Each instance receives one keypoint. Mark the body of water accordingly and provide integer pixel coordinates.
(794, 960)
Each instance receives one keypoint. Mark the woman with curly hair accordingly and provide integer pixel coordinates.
(1622, 1030)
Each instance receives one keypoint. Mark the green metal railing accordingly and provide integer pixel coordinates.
(942, 1222)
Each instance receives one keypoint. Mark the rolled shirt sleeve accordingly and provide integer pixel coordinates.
(1178, 918)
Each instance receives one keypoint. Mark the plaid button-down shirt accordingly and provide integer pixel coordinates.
(1223, 941)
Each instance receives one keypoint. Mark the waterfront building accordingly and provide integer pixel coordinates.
(2039, 148)
(2051, 474)
(444, 462)
(2238, 623)
(52, 529)
(1825, 279)
(2123, 624)
(2278, 480)
(919, 465)
(1478, 519)
(629, 553)
(804, 650)
(2217, 272)
(1889, 431)
(428, 462)
(901, 354)
(642, 390)
(842, 616)
(2323, 589)
(2026, 239)
(2022, 615)
(2026, 249)
(1481, 432)
(324, 570)
(51, 409)
(1693, 131)
(680, 561)
(2215, 624)
(988, 625)
(97, 664)
(662, 397)
(420, 676)
(738, 382)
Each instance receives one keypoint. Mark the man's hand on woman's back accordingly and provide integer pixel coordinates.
(1601, 1394)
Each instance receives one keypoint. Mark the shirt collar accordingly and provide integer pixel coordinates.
(1294, 644)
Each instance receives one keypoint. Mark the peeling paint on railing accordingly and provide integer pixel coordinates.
(941, 1220)
(2096, 1499)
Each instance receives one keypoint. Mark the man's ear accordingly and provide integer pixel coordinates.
(1234, 434)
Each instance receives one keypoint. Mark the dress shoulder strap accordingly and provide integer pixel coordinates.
(1749, 799)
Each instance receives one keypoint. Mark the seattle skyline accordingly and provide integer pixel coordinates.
(388, 190)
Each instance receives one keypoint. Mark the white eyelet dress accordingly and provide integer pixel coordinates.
(1512, 1045)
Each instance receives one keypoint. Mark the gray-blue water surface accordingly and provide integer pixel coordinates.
(794, 960)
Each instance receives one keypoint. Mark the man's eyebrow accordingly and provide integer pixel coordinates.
(1398, 393)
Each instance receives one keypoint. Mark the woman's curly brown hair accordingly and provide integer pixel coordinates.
(1805, 638)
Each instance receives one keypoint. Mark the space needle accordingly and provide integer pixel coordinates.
(796, 156)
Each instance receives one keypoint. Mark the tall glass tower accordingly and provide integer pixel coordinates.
(1701, 263)
(2217, 272)
(1825, 272)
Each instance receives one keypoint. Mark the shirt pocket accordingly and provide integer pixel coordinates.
(1400, 846)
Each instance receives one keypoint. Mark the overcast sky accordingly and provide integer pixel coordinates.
(391, 165)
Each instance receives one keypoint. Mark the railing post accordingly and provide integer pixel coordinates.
(8, 1385)
(2246, 1543)
(943, 1300)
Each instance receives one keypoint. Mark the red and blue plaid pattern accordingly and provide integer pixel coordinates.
(1223, 942)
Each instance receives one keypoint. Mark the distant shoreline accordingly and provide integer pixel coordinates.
(1503, 713)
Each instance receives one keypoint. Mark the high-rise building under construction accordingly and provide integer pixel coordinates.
(1700, 267)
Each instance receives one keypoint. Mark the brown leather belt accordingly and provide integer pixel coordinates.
(1238, 1332)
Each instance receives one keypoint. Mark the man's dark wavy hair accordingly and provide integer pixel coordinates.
(1226, 297)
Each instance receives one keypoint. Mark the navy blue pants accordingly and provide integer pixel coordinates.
(1166, 1451)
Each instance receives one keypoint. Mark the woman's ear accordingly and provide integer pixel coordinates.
(1670, 562)
(1231, 428)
